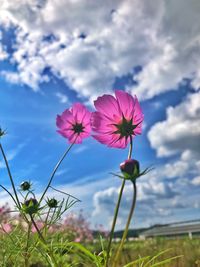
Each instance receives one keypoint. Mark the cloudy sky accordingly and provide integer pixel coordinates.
(54, 53)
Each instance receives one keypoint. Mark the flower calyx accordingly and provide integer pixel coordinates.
(30, 206)
(130, 170)
(25, 186)
(52, 202)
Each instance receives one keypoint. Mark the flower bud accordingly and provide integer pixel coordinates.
(25, 186)
(130, 167)
(52, 203)
(30, 206)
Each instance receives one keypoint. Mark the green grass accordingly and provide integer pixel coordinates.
(12, 247)
(190, 249)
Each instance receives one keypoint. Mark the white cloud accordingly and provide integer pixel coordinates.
(63, 99)
(3, 53)
(179, 36)
(89, 52)
(159, 198)
(181, 129)
(196, 180)
(154, 198)
(80, 149)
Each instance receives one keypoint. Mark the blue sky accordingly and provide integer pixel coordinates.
(54, 54)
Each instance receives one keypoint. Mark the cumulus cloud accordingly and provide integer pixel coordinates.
(179, 57)
(89, 51)
(159, 197)
(3, 53)
(181, 129)
(155, 197)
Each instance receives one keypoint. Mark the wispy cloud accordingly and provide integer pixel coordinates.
(63, 99)
(80, 149)
(61, 172)
(11, 154)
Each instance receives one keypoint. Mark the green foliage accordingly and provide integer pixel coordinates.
(67, 253)
(152, 261)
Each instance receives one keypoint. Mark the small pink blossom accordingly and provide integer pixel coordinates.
(5, 228)
(74, 123)
(117, 119)
(39, 224)
(77, 240)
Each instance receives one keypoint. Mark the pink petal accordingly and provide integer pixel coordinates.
(111, 140)
(84, 134)
(138, 114)
(79, 140)
(65, 120)
(107, 105)
(87, 128)
(79, 112)
(87, 117)
(104, 139)
(102, 124)
(67, 116)
(138, 130)
(60, 122)
(66, 134)
(126, 103)
(121, 143)
(73, 139)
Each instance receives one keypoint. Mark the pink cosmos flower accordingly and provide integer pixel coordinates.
(5, 228)
(40, 225)
(117, 119)
(74, 123)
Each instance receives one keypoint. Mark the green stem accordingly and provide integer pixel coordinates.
(10, 176)
(26, 253)
(49, 252)
(9, 194)
(25, 218)
(59, 191)
(130, 148)
(54, 171)
(117, 208)
(46, 222)
(114, 221)
(127, 226)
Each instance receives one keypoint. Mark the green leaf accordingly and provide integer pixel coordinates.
(140, 260)
(166, 261)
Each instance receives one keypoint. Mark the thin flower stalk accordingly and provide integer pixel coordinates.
(26, 252)
(15, 198)
(54, 172)
(11, 178)
(73, 124)
(117, 207)
(49, 252)
(116, 258)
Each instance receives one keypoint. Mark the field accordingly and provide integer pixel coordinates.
(12, 255)
(190, 249)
